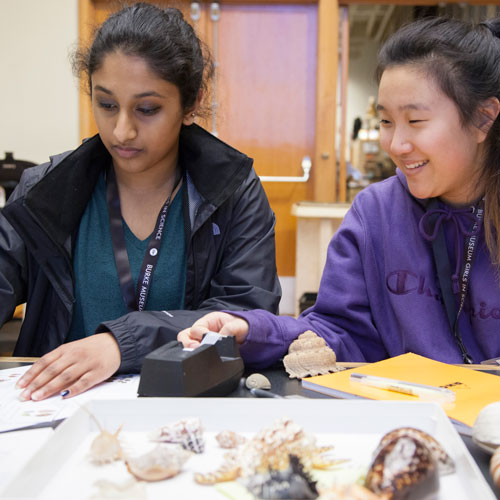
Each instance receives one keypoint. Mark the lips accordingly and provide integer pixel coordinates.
(126, 151)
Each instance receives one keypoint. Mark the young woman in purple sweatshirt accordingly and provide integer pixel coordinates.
(414, 266)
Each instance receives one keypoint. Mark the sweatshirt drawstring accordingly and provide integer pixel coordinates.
(443, 215)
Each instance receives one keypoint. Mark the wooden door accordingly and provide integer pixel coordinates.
(274, 93)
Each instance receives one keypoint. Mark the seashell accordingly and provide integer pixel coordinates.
(292, 483)
(403, 468)
(257, 381)
(309, 355)
(127, 490)
(445, 463)
(348, 492)
(229, 439)
(495, 467)
(270, 449)
(227, 472)
(307, 340)
(106, 447)
(161, 463)
(486, 428)
(187, 432)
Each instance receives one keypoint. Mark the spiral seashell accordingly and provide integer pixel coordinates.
(486, 428)
(495, 467)
(307, 355)
(187, 432)
(257, 381)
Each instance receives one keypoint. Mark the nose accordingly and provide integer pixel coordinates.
(125, 129)
(400, 143)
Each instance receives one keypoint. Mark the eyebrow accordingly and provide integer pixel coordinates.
(149, 93)
(407, 107)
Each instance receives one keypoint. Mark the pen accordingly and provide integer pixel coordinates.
(428, 392)
(261, 393)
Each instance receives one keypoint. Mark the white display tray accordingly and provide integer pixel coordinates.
(61, 469)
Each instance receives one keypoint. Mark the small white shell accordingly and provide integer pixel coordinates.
(257, 381)
(486, 428)
(106, 448)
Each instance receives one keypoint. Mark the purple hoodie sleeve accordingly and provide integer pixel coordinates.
(341, 314)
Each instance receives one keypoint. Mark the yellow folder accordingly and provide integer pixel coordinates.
(473, 389)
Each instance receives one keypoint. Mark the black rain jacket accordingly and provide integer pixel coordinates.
(230, 246)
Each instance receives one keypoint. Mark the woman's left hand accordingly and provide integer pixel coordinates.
(75, 367)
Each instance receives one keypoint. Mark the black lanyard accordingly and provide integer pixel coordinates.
(134, 300)
(444, 272)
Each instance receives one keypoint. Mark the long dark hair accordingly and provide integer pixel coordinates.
(162, 37)
(464, 60)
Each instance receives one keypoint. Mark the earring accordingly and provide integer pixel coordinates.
(193, 114)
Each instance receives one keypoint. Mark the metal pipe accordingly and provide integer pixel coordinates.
(306, 168)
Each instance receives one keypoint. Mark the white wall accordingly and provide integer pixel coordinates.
(38, 93)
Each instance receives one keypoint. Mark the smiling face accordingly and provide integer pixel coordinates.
(138, 114)
(421, 131)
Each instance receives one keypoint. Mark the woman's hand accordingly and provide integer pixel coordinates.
(75, 367)
(219, 322)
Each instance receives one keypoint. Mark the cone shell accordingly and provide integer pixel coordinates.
(309, 355)
(495, 467)
(187, 432)
(403, 468)
(445, 463)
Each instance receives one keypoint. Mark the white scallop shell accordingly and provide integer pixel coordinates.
(486, 428)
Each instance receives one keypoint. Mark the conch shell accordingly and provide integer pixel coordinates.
(307, 355)
(187, 432)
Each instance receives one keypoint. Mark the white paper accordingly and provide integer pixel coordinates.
(15, 413)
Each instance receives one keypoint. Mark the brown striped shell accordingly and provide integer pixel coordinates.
(495, 467)
(308, 355)
(445, 463)
(403, 468)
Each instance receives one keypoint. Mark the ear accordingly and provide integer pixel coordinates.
(190, 115)
(487, 113)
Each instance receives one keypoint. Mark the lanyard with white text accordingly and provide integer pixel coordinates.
(134, 300)
(444, 273)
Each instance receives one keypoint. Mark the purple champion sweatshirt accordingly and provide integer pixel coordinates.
(379, 294)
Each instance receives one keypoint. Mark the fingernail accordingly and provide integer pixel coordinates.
(37, 395)
(24, 396)
(64, 393)
(192, 345)
(20, 384)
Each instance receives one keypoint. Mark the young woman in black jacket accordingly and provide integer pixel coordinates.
(118, 245)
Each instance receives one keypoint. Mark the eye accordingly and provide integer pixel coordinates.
(108, 106)
(385, 123)
(148, 111)
(417, 121)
